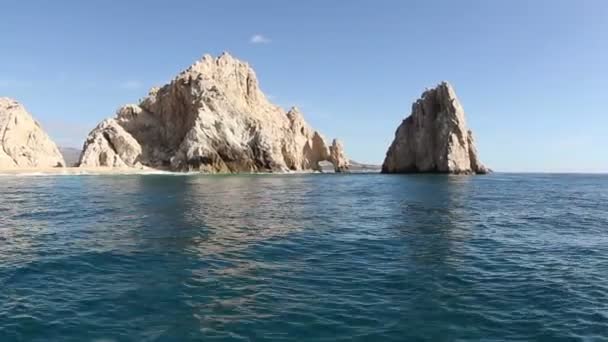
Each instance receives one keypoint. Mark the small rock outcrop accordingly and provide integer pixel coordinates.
(213, 118)
(23, 143)
(434, 138)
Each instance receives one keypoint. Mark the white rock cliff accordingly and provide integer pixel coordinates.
(434, 138)
(212, 117)
(23, 143)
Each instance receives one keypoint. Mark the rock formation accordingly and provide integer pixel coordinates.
(212, 117)
(434, 138)
(23, 143)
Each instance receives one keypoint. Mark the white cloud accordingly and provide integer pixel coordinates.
(132, 84)
(259, 39)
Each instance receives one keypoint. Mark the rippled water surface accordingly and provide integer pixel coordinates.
(303, 258)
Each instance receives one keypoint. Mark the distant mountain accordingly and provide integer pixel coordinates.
(361, 167)
(353, 167)
(70, 155)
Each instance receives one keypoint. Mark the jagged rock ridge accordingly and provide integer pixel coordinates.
(212, 117)
(434, 138)
(23, 143)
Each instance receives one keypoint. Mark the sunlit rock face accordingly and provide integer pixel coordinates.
(212, 117)
(23, 142)
(434, 138)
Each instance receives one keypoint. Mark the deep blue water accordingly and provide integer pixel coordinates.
(304, 258)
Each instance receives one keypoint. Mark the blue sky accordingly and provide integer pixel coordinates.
(532, 75)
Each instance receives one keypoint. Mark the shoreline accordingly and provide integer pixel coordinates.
(112, 171)
(101, 171)
(73, 171)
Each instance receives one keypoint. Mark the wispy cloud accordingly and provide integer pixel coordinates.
(131, 84)
(259, 39)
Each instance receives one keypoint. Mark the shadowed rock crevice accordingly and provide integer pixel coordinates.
(434, 138)
(213, 118)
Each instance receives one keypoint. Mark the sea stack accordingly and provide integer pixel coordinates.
(434, 138)
(212, 118)
(23, 142)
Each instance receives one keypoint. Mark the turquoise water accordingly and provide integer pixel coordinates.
(304, 258)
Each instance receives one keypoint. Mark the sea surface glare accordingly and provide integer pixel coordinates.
(311, 257)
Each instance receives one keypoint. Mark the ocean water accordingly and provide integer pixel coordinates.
(313, 257)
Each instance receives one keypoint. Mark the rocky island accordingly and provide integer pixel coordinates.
(212, 118)
(434, 138)
(23, 142)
